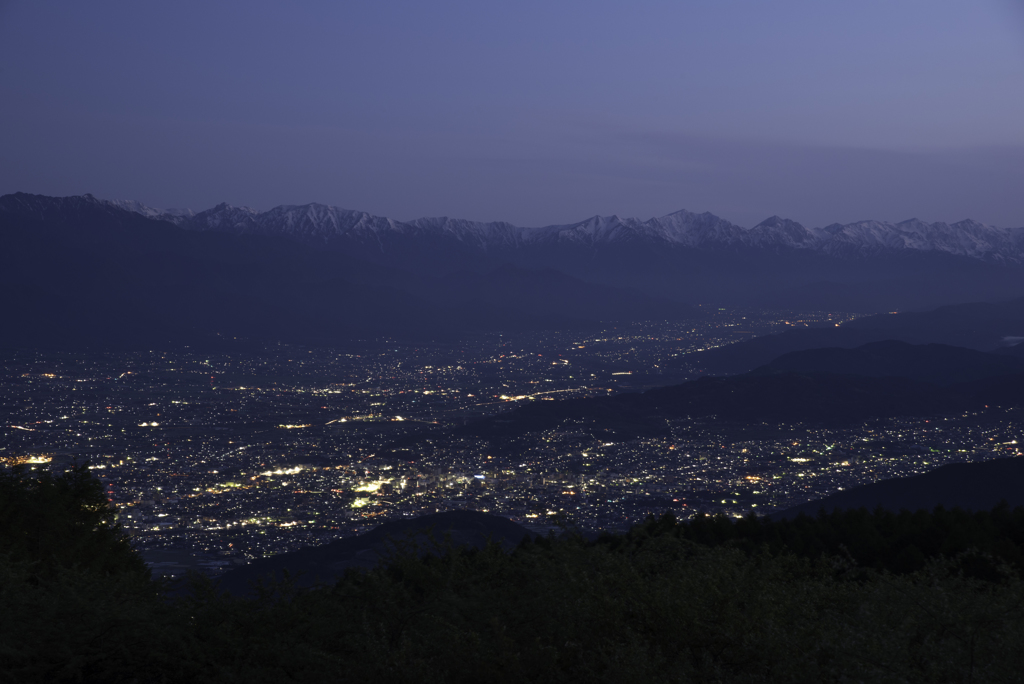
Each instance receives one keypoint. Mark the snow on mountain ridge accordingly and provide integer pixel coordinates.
(966, 238)
(481, 235)
(149, 212)
(319, 223)
(137, 207)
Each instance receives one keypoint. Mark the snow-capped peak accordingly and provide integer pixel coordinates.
(322, 224)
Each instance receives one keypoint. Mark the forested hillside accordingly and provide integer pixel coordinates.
(853, 596)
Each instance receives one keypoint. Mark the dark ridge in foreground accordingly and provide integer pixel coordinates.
(970, 486)
(425, 534)
(852, 596)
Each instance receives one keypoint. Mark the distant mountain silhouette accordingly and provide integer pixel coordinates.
(971, 486)
(425, 534)
(983, 326)
(746, 355)
(833, 387)
(821, 398)
(940, 364)
(977, 325)
(1016, 350)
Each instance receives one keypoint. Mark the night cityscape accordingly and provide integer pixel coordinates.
(215, 460)
(459, 342)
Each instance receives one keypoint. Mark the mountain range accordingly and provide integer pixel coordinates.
(84, 270)
(689, 257)
(327, 225)
(80, 272)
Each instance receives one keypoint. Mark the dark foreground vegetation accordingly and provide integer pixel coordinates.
(852, 596)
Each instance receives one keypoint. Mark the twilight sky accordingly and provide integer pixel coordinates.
(530, 112)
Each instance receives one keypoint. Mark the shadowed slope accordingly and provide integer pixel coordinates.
(971, 486)
(936, 363)
(425, 534)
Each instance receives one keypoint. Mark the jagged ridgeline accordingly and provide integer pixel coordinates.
(81, 270)
(691, 257)
(859, 595)
(862, 266)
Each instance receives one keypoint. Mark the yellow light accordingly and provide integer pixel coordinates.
(284, 471)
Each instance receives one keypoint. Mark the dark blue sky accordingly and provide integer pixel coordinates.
(530, 112)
